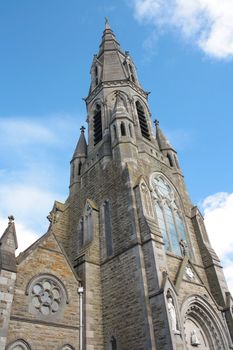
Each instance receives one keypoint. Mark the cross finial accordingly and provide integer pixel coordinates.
(107, 25)
(82, 129)
(156, 122)
(11, 219)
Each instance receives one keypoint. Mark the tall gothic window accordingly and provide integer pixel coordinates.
(169, 215)
(142, 121)
(108, 228)
(96, 76)
(97, 124)
(113, 343)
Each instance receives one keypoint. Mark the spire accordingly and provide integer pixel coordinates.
(110, 59)
(109, 41)
(8, 245)
(111, 64)
(161, 139)
(81, 148)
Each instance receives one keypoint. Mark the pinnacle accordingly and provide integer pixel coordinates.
(161, 138)
(81, 148)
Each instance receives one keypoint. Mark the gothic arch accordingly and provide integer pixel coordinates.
(19, 344)
(157, 173)
(92, 105)
(67, 347)
(202, 326)
(111, 98)
(144, 105)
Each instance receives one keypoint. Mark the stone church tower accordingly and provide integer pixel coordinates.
(126, 263)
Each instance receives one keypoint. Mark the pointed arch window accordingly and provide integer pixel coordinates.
(170, 160)
(18, 345)
(130, 131)
(113, 343)
(97, 124)
(79, 168)
(96, 76)
(142, 121)
(123, 131)
(168, 214)
(108, 228)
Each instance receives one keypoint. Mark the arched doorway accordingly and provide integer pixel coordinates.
(203, 328)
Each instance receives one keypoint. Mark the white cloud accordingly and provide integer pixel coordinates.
(179, 138)
(25, 236)
(30, 205)
(13, 131)
(205, 23)
(218, 210)
(29, 178)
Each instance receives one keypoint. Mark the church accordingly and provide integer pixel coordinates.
(126, 263)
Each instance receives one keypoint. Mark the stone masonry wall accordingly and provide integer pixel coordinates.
(7, 283)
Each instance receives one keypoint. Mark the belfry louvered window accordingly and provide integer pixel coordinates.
(142, 121)
(168, 214)
(97, 124)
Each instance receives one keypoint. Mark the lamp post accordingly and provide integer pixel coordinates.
(80, 293)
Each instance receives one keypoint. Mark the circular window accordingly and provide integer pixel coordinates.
(46, 296)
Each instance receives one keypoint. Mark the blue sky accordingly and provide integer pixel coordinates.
(184, 56)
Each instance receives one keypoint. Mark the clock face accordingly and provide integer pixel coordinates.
(189, 272)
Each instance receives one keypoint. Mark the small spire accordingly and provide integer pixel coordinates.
(161, 138)
(81, 148)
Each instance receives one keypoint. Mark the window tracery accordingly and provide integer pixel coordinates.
(47, 296)
(169, 215)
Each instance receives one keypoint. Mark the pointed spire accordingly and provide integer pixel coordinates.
(161, 139)
(81, 148)
(8, 245)
(109, 41)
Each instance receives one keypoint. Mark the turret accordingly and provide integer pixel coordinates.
(122, 130)
(8, 245)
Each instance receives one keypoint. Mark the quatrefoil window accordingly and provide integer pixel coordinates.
(46, 296)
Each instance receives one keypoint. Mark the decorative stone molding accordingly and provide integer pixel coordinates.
(202, 323)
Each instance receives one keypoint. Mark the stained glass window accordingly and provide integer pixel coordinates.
(168, 215)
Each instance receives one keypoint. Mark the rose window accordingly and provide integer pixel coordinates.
(46, 296)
